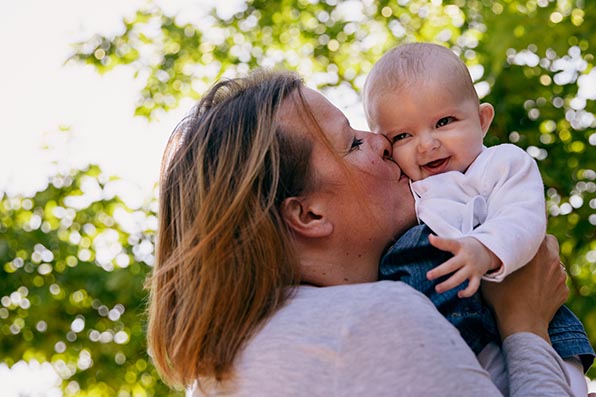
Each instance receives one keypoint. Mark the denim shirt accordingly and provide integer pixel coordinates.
(412, 256)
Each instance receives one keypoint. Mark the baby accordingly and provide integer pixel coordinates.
(486, 205)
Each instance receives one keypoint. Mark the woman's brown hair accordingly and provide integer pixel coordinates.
(225, 260)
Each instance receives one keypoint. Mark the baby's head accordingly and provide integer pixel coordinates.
(422, 98)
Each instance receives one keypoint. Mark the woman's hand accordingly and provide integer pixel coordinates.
(526, 300)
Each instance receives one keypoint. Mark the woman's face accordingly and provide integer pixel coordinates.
(368, 197)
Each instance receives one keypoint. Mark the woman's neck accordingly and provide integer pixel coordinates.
(328, 266)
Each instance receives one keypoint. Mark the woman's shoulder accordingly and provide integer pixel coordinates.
(337, 336)
(386, 300)
(361, 294)
(391, 323)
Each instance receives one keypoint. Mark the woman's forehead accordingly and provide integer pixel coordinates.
(309, 115)
(308, 109)
(319, 104)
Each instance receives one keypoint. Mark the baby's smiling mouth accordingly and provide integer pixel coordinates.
(436, 166)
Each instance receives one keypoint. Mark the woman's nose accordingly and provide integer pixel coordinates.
(380, 144)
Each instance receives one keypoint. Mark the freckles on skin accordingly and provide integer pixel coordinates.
(348, 254)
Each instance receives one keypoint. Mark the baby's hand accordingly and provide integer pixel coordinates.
(471, 260)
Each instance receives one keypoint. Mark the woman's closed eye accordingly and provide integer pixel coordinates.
(356, 142)
(444, 121)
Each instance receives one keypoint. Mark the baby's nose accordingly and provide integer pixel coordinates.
(427, 142)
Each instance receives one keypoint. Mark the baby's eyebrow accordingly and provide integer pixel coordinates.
(393, 133)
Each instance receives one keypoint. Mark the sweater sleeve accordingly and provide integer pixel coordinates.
(534, 367)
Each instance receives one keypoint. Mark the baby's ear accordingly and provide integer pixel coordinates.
(486, 112)
(305, 218)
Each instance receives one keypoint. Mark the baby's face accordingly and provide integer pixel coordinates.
(433, 127)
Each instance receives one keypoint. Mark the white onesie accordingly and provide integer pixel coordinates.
(499, 200)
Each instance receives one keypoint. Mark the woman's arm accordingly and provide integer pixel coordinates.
(529, 298)
(534, 368)
(524, 304)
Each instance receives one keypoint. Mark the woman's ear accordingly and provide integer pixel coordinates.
(304, 218)
(487, 112)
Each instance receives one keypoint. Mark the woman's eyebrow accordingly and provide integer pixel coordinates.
(349, 132)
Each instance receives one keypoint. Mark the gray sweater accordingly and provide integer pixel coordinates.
(377, 339)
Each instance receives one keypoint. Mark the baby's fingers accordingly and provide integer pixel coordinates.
(444, 268)
(444, 244)
(474, 283)
(452, 282)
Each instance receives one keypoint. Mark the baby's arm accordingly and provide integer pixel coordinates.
(471, 261)
(516, 219)
(506, 180)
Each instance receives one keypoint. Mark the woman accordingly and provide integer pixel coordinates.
(274, 214)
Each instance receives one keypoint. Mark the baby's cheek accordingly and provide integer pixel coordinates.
(398, 155)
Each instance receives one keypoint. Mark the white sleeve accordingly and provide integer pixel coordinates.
(516, 213)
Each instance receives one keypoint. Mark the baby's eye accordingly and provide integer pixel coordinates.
(444, 121)
(401, 136)
(356, 144)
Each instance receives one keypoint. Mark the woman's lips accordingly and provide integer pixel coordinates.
(436, 166)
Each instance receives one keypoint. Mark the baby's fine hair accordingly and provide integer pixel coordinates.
(414, 62)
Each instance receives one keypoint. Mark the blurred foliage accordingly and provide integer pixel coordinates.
(72, 264)
(74, 258)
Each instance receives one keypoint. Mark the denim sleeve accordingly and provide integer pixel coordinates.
(569, 338)
(412, 255)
